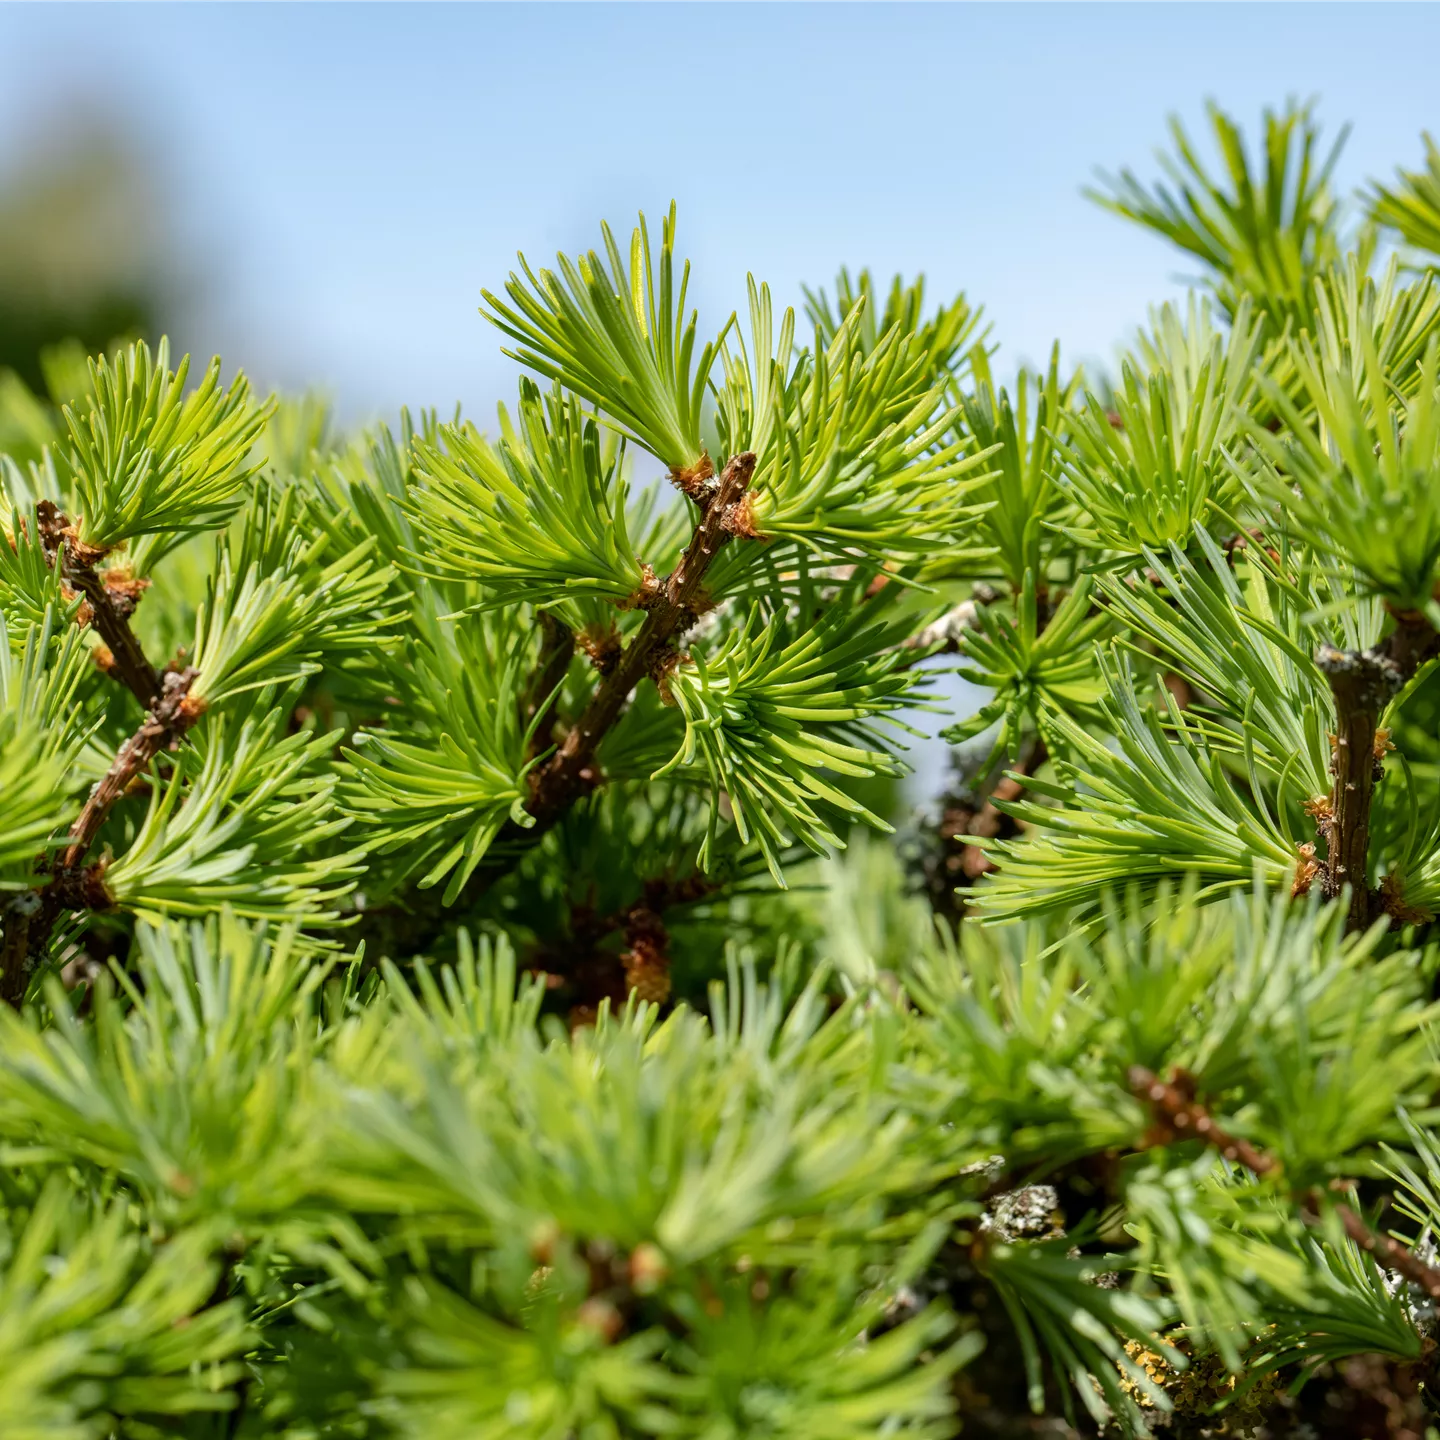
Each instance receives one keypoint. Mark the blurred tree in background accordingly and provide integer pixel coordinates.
(82, 246)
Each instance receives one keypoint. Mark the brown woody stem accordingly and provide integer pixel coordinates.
(1180, 1116)
(1390, 1252)
(20, 915)
(73, 885)
(670, 606)
(109, 613)
(1362, 683)
(168, 719)
(959, 822)
(30, 918)
(671, 609)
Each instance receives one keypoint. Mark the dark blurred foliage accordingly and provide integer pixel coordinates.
(82, 244)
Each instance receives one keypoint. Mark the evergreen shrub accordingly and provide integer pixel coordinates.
(452, 987)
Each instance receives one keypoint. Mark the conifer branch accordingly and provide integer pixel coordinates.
(671, 606)
(1362, 683)
(970, 813)
(73, 885)
(1389, 1252)
(1180, 1115)
(165, 722)
(110, 609)
(674, 605)
(31, 917)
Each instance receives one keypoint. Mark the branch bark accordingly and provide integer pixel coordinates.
(110, 607)
(959, 821)
(30, 919)
(167, 720)
(1362, 684)
(670, 609)
(20, 913)
(577, 960)
(1180, 1115)
(671, 606)
(1390, 1252)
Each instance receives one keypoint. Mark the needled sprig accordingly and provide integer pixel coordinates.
(1153, 465)
(243, 820)
(107, 1323)
(1029, 668)
(1244, 639)
(31, 585)
(1263, 227)
(1058, 1310)
(144, 457)
(1411, 207)
(189, 1079)
(436, 784)
(538, 517)
(747, 403)
(953, 337)
(777, 704)
(40, 731)
(615, 332)
(281, 602)
(855, 459)
(1022, 501)
(1158, 802)
(1359, 482)
(1358, 313)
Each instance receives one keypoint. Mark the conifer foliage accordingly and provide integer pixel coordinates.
(446, 986)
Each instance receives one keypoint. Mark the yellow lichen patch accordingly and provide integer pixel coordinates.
(1205, 1387)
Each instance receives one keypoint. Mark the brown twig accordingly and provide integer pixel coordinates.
(73, 885)
(1413, 642)
(167, 720)
(646, 957)
(977, 817)
(1389, 1251)
(1362, 684)
(673, 607)
(1180, 1115)
(30, 919)
(593, 973)
(20, 914)
(110, 607)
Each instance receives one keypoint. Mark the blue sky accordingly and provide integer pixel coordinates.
(347, 178)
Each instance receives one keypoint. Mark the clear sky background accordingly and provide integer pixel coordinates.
(345, 179)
